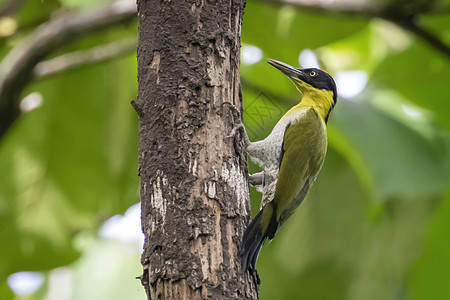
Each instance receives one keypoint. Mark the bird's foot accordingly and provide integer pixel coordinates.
(234, 110)
(238, 125)
(237, 128)
(256, 179)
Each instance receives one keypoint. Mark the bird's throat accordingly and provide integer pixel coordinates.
(320, 100)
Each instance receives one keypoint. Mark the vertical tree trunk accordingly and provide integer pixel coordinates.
(194, 191)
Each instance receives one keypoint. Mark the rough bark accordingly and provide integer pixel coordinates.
(194, 190)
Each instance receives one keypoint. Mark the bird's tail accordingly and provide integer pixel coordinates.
(263, 226)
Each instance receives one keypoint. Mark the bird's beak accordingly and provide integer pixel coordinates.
(290, 71)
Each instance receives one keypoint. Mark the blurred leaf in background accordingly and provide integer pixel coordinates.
(370, 228)
(70, 163)
(374, 226)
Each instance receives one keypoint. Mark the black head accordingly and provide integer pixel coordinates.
(306, 78)
(318, 79)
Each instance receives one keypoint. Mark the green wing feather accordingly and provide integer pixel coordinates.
(302, 156)
(304, 148)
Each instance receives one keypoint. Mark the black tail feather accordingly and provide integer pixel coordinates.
(251, 242)
(254, 238)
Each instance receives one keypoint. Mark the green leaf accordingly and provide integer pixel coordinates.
(68, 165)
(283, 32)
(86, 4)
(403, 162)
(429, 277)
(5, 291)
(421, 75)
(35, 12)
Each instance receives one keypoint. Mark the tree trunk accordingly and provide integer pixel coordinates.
(194, 190)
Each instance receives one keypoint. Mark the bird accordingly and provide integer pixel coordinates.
(290, 157)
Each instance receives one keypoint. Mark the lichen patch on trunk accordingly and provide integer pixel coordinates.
(233, 176)
(158, 201)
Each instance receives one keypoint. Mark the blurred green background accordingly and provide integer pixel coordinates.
(376, 224)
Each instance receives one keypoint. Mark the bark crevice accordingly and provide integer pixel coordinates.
(194, 190)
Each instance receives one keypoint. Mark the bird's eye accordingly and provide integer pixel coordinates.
(313, 73)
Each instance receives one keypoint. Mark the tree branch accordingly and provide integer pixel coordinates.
(433, 40)
(16, 70)
(392, 13)
(61, 63)
(347, 8)
(440, 10)
(9, 7)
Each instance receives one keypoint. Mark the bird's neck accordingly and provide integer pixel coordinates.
(321, 100)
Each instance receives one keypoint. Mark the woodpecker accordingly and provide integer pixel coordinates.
(290, 157)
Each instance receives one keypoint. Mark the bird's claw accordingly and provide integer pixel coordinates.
(256, 179)
(235, 129)
(237, 119)
(234, 110)
(239, 126)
